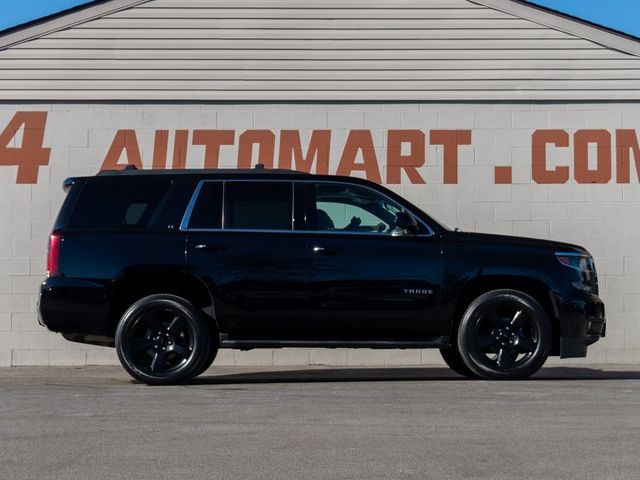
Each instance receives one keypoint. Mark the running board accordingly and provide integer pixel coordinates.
(248, 344)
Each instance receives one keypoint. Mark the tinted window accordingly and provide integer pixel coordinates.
(258, 205)
(64, 216)
(118, 204)
(350, 208)
(207, 212)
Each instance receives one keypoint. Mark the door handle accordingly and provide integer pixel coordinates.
(326, 251)
(209, 248)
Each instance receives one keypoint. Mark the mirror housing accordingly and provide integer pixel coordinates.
(406, 224)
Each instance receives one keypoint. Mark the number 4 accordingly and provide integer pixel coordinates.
(31, 155)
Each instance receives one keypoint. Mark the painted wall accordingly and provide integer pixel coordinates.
(563, 171)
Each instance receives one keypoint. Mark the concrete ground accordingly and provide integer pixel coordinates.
(320, 423)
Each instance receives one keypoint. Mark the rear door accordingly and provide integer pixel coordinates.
(243, 242)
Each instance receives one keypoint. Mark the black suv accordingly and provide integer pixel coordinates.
(170, 266)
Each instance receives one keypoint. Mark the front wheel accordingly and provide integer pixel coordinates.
(163, 340)
(453, 359)
(504, 335)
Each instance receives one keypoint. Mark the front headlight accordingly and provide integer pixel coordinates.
(585, 267)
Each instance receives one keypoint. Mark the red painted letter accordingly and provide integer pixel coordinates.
(451, 140)
(291, 151)
(31, 155)
(266, 141)
(396, 162)
(539, 142)
(626, 144)
(125, 141)
(360, 140)
(582, 139)
(213, 140)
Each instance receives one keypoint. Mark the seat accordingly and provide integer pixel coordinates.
(323, 221)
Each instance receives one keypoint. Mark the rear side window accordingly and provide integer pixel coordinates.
(207, 212)
(66, 210)
(118, 205)
(258, 205)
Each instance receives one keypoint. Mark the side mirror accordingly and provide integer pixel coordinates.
(406, 224)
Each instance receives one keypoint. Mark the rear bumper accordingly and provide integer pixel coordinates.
(74, 307)
(582, 323)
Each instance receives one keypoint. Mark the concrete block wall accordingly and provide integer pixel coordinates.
(602, 217)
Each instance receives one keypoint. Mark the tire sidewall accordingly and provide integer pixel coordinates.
(198, 325)
(466, 336)
(453, 359)
(208, 361)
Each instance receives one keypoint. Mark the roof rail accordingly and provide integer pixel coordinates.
(259, 169)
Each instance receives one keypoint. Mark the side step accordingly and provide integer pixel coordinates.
(248, 344)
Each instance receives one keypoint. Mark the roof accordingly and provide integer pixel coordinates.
(600, 34)
(63, 19)
(536, 13)
(316, 51)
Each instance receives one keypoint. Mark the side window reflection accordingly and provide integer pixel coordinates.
(349, 208)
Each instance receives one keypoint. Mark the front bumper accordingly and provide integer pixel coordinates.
(582, 323)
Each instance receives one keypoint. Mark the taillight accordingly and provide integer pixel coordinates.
(53, 258)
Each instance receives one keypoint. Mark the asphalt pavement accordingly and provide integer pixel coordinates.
(320, 423)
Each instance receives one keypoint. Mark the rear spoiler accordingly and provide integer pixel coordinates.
(71, 181)
(67, 184)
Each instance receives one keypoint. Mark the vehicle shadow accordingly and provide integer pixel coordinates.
(395, 374)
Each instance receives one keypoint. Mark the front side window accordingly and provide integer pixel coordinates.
(342, 207)
(256, 205)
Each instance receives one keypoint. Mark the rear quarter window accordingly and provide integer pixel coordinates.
(207, 212)
(119, 205)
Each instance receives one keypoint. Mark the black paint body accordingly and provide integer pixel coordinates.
(302, 287)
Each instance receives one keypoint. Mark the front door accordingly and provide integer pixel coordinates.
(369, 281)
(247, 251)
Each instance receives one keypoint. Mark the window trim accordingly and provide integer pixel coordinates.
(430, 231)
(184, 225)
(147, 221)
(186, 218)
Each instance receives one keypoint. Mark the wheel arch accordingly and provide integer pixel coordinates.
(136, 284)
(534, 287)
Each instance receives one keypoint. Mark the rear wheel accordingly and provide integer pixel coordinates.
(504, 335)
(163, 340)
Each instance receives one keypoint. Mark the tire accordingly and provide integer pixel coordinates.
(453, 359)
(504, 335)
(213, 351)
(163, 340)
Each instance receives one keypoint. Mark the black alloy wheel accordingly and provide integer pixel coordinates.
(504, 334)
(163, 340)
